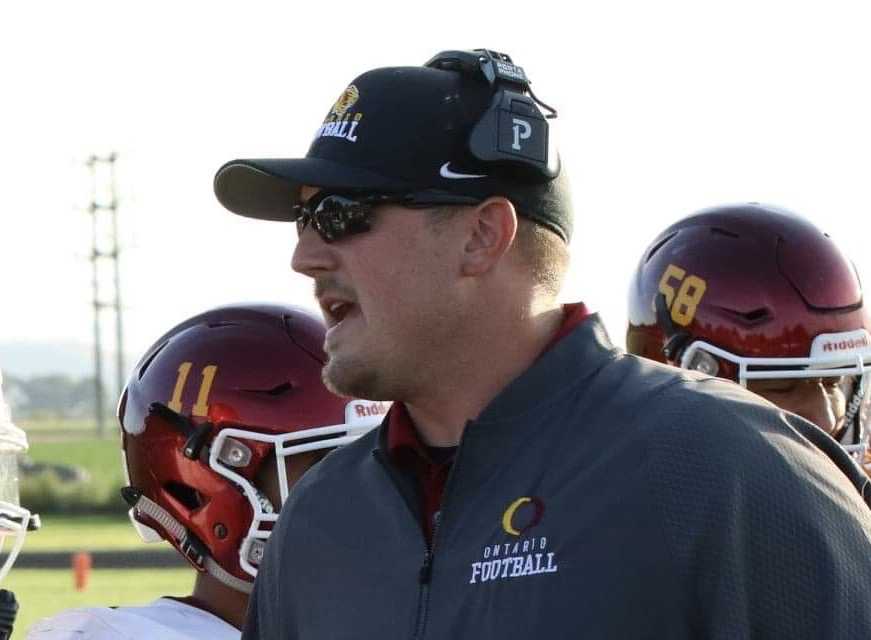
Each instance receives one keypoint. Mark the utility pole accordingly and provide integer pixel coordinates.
(120, 370)
(104, 202)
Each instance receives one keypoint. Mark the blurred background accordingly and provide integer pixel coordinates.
(116, 115)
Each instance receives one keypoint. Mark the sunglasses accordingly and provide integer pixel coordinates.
(338, 215)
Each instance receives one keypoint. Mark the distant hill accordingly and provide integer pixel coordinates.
(24, 359)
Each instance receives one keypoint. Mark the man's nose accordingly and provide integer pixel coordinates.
(312, 255)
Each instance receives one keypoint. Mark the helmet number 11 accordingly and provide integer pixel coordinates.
(690, 290)
(201, 408)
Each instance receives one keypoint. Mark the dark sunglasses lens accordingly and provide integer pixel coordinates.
(336, 217)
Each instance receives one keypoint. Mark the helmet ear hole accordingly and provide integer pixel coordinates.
(187, 496)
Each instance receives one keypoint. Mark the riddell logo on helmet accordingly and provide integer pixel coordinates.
(365, 413)
(846, 345)
(370, 409)
(834, 344)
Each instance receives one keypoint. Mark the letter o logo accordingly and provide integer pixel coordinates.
(508, 517)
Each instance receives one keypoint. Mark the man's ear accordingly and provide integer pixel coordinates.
(492, 227)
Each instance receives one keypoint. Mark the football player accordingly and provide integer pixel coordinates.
(219, 419)
(759, 295)
(15, 521)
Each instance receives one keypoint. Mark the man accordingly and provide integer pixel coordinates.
(758, 295)
(531, 481)
(221, 416)
(15, 521)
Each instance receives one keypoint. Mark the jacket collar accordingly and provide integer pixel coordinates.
(578, 356)
(575, 357)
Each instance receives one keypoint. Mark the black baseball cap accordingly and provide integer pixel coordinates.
(396, 130)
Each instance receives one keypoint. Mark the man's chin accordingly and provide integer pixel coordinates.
(345, 377)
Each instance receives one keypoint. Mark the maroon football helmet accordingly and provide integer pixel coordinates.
(754, 292)
(210, 404)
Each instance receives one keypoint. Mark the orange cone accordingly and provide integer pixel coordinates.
(82, 563)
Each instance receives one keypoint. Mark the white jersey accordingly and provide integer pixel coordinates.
(165, 618)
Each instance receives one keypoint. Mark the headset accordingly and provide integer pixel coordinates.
(513, 130)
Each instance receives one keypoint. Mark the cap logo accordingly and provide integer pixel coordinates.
(341, 122)
(445, 172)
(347, 100)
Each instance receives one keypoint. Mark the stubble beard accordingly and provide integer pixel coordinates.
(353, 378)
(397, 374)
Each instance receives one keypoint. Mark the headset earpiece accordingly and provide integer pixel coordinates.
(512, 130)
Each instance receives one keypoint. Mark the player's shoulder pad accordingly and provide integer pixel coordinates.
(93, 623)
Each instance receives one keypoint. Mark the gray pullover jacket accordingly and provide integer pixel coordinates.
(598, 496)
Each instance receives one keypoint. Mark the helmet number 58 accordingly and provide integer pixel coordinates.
(690, 290)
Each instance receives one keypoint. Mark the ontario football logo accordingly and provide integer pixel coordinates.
(341, 121)
(521, 555)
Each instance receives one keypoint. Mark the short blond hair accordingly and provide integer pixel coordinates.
(540, 249)
(544, 252)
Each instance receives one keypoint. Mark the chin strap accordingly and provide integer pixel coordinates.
(676, 339)
(852, 417)
(190, 546)
(225, 577)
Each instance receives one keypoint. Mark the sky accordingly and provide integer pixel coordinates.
(665, 107)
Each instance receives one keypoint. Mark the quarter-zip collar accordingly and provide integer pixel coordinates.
(402, 439)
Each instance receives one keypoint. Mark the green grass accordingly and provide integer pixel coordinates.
(43, 593)
(101, 458)
(35, 427)
(86, 533)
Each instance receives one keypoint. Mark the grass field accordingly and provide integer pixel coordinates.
(85, 533)
(80, 427)
(42, 593)
(101, 458)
